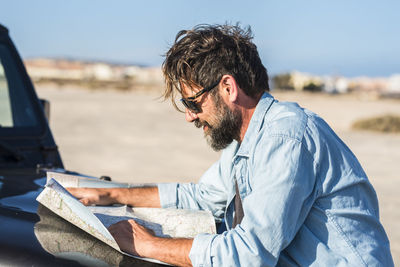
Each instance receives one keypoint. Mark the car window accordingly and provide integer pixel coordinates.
(16, 105)
(5, 106)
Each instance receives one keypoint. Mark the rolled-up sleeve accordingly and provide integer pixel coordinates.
(167, 193)
(200, 253)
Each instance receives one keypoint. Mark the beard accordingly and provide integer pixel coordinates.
(225, 126)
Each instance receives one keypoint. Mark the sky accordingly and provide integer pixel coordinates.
(341, 37)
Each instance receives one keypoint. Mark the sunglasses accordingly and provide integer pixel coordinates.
(192, 105)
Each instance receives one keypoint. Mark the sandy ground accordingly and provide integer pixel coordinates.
(135, 137)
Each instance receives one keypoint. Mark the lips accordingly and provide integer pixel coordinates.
(203, 125)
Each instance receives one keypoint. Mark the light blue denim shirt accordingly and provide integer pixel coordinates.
(305, 197)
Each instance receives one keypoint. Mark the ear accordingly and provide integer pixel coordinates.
(230, 89)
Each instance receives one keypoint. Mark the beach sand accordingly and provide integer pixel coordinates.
(135, 137)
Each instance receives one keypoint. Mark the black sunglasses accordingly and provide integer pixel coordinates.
(194, 106)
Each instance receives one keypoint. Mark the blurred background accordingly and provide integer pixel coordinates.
(98, 63)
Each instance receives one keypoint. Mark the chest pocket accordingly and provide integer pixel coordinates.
(242, 175)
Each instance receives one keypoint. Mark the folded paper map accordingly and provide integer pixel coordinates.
(78, 180)
(94, 220)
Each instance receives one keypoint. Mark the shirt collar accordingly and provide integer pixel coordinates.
(255, 124)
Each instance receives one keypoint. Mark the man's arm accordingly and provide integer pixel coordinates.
(137, 240)
(136, 197)
(130, 236)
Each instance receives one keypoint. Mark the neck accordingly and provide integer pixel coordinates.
(247, 110)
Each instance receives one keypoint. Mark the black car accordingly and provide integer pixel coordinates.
(31, 235)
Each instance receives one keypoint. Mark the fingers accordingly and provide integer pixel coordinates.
(74, 191)
(139, 229)
(122, 225)
(113, 229)
(77, 192)
(132, 237)
(135, 226)
(123, 234)
(85, 201)
(126, 226)
(87, 196)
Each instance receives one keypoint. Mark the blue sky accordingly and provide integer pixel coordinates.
(341, 37)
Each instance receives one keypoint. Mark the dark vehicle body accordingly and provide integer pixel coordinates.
(31, 235)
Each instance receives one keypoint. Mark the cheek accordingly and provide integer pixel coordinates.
(213, 119)
(210, 112)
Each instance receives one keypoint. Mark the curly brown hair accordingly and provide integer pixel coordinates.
(205, 53)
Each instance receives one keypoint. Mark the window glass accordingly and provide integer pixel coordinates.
(16, 109)
(5, 106)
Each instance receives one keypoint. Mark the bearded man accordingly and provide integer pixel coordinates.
(288, 190)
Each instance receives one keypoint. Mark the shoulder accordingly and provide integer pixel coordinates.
(277, 125)
(286, 120)
(289, 123)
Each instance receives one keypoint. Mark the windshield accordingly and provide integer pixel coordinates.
(17, 114)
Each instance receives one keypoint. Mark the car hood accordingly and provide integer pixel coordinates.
(30, 234)
(19, 189)
(18, 216)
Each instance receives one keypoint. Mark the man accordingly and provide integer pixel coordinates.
(288, 189)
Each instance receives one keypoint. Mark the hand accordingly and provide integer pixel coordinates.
(91, 196)
(133, 238)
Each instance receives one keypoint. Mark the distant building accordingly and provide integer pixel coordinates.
(394, 84)
(54, 69)
(369, 85)
(335, 84)
(100, 72)
(301, 80)
(69, 70)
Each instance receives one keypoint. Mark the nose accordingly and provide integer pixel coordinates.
(190, 116)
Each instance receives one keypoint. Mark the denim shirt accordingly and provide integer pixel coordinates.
(306, 199)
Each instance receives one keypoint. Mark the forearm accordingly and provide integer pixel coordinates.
(136, 197)
(174, 251)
